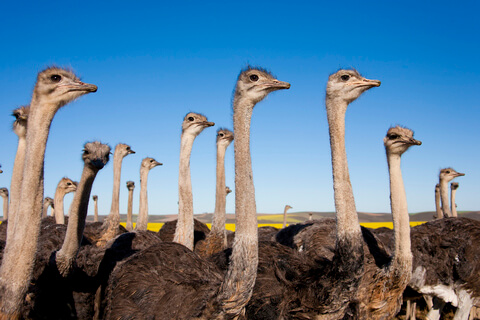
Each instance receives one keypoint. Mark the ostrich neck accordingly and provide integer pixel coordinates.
(58, 203)
(129, 225)
(184, 230)
(17, 177)
(438, 207)
(45, 209)
(285, 217)
(398, 201)
(218, 225)
(76, 222)
(95, 217)
(19, 253)
(114, 215)
(444, 198)
(5, 208)
(347, 219)
(142, 222)
(452, 203)
(239, 281)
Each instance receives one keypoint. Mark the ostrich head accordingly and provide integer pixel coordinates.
(96, 155)
(130, 185)
(57, 86)
(348, 85)
(95, 198)
(150, 163)
(255, 84)
(67, 185)
(48, 201)
(287, 207)
(228, 190)
(194, 123)
(399, 139)
(448, 174)
(224, 137)
(122, 150)
(4, 192)
(454, 185)
(20, 123)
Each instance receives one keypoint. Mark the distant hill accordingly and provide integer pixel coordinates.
(295, 217)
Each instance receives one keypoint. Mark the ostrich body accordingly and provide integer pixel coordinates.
(95, 212)
(130, 187)
(55, 88)
(453, 205)
(287, 207)
(446, 175)
(438, 206)
(64, 186)
(147, 165)
(193, 124)
(182, 285)
(110, 227)
(47, 202)
(216, 240)
(4, 195)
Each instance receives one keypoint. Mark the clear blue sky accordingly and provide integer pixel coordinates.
(155, 61)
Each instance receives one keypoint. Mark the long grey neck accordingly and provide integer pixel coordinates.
(185, 225)
(76, 222)
(17, 176)
(5, 208)
(347, 219)
(285, 217)
(239, 281)
(114, 216)
(438, 207)
(45, 209)
(452, 202)
(142, 222)
(444, 198)
(95, 217)
(58, 203)
(401, 223)
(218, 225)
(129, 225)
(19, 253)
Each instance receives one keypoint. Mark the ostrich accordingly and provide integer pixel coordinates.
(287, 207)
(381, 288)
(55, 88)
(111, 226)
(4, 195)
(193, 124)
(56, 274)
(216, 240)
(47, 202)
(228, 191)
(181, 285)
(130, 187)
(446, 175)
(453, 191)
(145, 167)
(310, 216)
(64, 186)
(438, 207)
(327, 286)
(20, 129)
(95, 202)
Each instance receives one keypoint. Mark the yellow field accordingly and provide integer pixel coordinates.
(231, 226)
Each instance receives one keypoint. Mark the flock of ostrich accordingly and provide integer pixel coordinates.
(61, 267)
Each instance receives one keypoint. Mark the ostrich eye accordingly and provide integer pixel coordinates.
(345, 77)
(69, 183)
(254, 77)
(190, 119)
(221, 134)
(151, 160)
(448, 171)
(128, 148)
(393, 136)
(56, 78)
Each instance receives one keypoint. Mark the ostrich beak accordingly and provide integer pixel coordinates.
(277, 85)
(415, 142)
(365, 83)
(80, 86)
(208, 124)
(459, 174)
